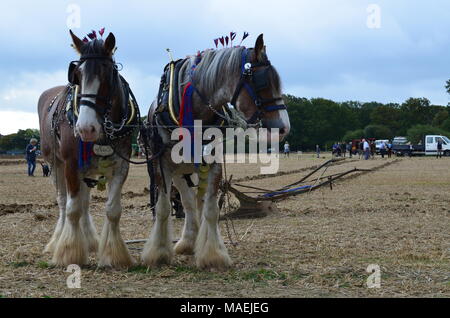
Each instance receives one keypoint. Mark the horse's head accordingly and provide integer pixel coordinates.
(95, 72)
(258, 95)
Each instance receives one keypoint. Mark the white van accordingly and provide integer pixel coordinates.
(431, 142)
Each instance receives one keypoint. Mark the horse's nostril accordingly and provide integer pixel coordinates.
(92, 129)
(282, 131)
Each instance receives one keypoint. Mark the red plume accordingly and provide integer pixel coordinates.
(85, 40)
(101, 32)
(92, 35)
(216, 42)
(222, 41)
(246, 34)
(227, 40)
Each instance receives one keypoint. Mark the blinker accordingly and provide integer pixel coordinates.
(259, 79)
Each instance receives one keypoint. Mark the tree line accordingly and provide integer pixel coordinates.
(323, 122)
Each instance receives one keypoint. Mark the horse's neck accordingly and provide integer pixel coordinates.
(218, 97)
(118, 104)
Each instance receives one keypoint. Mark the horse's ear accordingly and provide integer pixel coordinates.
(77, 43)
(260, 48)
(110, 44)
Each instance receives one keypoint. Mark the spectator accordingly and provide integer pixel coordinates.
(343, 149)
(373, 149)
(366, 147)
(318, 151)
(383, 147)
(287, 149)
(439, 148)
(31, 156)
(389, 149)
(361, 148)
(349, 149)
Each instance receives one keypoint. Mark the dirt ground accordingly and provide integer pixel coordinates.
(318, 244)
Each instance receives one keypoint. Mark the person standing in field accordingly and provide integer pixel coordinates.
(361, 148)
(31, 156)
(287, 149)
(343, 149)
(318, 151)
(383, 149)
(439, 148)
(389, 149)
(349, 149)
(366, 147)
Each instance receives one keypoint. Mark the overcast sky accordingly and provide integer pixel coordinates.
(321, 48)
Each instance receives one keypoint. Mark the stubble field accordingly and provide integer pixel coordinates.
(318, 244)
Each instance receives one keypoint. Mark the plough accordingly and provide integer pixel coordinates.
(264, 201)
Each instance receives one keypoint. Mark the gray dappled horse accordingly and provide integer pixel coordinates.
(246, 79)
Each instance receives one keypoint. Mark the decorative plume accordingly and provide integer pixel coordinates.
(216, 42)
(227, 40)
(232, 37)
(101, 32)
(85, 40)
(246, 34)
(222, 41)
(92, 35)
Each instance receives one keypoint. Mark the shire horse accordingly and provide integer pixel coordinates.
(103, 98)
(244, 78)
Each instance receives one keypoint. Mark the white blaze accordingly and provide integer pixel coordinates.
(87, 117)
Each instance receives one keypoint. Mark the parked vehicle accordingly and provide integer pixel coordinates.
(400, 141)
(378, 144)
(356, 144)
(428, 147)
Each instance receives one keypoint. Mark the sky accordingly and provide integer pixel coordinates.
(385, 51)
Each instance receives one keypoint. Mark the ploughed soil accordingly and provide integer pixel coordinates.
(318, 244)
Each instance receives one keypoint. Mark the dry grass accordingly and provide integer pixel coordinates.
(319, 245)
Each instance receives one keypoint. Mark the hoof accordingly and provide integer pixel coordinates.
(157, 257)
(215, 260)
(184, 248)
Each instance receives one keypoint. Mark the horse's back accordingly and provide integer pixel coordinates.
(45, 111)
(46, 98)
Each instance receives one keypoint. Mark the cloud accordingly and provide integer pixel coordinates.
(23, 90)
(321, 48)
(364, 90)
(12, 121)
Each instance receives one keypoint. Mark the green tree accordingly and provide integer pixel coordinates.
(418, 132)
(447, 86)
(446, 125)
(355, 134)
(440, 118)
(388, 115)
(378, 132)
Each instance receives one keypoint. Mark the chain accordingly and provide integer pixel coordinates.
(109, 129)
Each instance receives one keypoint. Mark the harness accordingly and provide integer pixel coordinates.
(254, 80)
(75, 100)
(171, 111)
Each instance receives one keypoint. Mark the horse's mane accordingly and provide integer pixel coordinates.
(96, 47)
(221, 66)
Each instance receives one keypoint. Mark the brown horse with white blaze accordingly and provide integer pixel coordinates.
(98, 121)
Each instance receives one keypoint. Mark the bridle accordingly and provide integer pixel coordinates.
(104, 112)
(254, 81)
